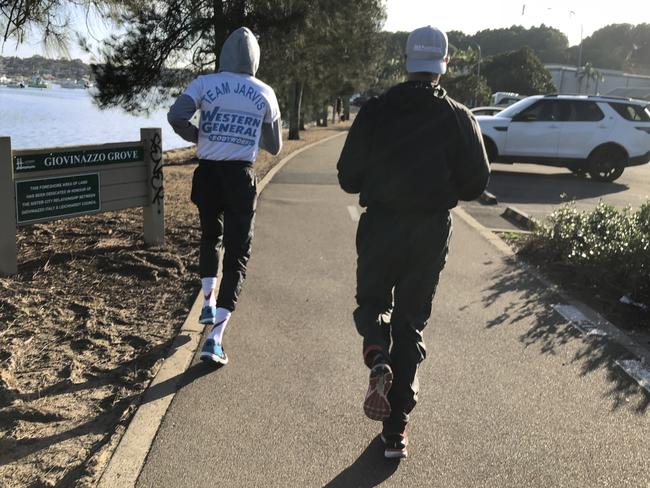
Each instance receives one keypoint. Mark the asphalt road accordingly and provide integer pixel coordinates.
(511, 395)
(538, 190)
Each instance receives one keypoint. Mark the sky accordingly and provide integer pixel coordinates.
(569, 16)
(472, 16)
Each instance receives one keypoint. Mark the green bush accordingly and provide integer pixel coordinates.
(611, 246)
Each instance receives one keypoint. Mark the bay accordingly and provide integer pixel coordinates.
(35, 118)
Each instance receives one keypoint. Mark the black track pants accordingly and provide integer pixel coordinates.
(226, 196)
(400, 257)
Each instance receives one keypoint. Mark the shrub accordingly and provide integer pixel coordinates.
(611, 246)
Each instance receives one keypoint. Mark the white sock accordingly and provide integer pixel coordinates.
(209, 285)
(222, 317)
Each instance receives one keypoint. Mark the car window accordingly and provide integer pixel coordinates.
(541, 111)
(579, 111)
(515, 108)
(632, 112)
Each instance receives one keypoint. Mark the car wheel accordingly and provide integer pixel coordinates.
(606, 164)
(581, 172)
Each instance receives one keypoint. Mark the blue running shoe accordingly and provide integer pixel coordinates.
(213, 352)
(208, 315)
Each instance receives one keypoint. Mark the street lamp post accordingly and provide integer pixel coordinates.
(580, 48)
(478, 74)
(579, 66)
(572, 13)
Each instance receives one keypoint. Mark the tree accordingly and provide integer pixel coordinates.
(468, 89)
(548, 43)
(325, 56)
(463, 61)
(462, 81)
(619, 47)
(51, 18)
(519, 71)
(314, 47)
(390, 49)
(168, 42)
(587, 73)
(459, 41)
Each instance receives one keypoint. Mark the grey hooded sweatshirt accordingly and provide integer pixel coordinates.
(239, 54)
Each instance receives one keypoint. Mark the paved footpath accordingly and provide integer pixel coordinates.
(511, 395)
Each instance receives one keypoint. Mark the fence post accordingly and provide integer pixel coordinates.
(154, 212)
(8, 252)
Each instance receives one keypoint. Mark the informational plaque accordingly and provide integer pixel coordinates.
(48, 198)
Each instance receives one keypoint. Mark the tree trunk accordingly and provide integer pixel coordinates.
(346, 108)
(294, 115)
(325, 113)
(302, 121)
(334, 112)
(220, 31)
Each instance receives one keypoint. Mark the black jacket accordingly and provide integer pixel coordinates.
(414, 148)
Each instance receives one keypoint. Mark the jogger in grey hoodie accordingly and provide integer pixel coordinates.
(239, 115)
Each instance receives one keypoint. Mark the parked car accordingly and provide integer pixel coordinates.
(486, 110)
(360, 100)
(598, 135)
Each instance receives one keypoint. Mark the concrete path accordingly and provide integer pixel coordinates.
(511, 395)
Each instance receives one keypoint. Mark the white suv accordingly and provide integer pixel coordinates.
(598, 135)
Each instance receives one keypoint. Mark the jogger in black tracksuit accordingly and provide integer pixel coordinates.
(226, 196)
(239, 114)
(411, 154)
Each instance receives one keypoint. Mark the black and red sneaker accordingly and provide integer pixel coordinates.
(376, 405)
(395, 445)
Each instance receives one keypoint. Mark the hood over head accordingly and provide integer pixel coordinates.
(240, 53)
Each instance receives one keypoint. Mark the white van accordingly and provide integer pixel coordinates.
(502, 99)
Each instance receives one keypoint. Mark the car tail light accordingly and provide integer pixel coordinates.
(644, 129)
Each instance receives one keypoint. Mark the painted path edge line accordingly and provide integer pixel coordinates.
(131, 452)
(637, 370)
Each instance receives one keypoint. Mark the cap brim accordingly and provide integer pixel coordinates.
(426, 66)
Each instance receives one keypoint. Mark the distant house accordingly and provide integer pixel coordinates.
(568, 79)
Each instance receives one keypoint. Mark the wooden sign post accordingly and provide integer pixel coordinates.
(154, 213)
(8, 251)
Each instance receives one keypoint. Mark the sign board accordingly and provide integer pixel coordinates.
(76, 159)
(41, 185)
(50, 198)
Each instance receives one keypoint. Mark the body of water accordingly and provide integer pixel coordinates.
(56, 116)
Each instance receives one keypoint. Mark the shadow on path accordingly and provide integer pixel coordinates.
(369, 470)
(530, 309)
(517, 187)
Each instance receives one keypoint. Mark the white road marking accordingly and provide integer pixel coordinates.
(633, 367)
(579, 320)
(637, 371)
(354, 213)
